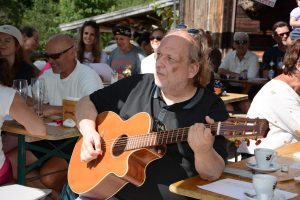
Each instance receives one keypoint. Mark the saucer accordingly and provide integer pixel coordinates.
(251, 195)
(274, 167)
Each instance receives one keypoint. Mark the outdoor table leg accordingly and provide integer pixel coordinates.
(21, 159)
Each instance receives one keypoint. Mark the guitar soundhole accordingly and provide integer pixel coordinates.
(119, 145)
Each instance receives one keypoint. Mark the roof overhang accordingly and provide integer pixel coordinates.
(119, 15)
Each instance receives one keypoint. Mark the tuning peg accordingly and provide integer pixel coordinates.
(237, 143)
(257, 142)
(248, 142)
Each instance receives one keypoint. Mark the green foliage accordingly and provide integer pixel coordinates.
(11, 11)
(43, 15)
(167, 16)
(122, 4)
(46, 15)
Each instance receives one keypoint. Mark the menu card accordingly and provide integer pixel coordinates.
(235, 188)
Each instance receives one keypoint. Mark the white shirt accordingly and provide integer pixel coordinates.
(148, 64)
(6, 96)
(88, 57)
(279, 104)
(250, 63)
(81, 82)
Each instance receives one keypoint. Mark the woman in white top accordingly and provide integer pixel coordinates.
(14, 105)
(279, 103)
(148, 63)
(89, 50)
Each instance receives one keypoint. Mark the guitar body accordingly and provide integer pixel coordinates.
(106, 175)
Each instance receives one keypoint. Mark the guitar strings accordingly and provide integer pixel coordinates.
(138, 140)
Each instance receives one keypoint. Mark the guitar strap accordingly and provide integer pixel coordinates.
(159, 123)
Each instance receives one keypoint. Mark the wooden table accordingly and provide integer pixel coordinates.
(288, 154)
(53, 133)
(246, 83)
(234, 97)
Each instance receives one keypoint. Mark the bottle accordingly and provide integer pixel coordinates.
(271, 73)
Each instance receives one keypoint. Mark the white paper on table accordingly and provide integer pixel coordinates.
(235, 188)
(15, 191)
(295, 165)
(102, 69)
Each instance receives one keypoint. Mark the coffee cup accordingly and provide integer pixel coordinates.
(264, 157)
(69, 108)
(264, 186)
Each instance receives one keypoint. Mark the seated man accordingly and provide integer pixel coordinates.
(171, 105)
(67, 78)
(240, 63)
(273, 56)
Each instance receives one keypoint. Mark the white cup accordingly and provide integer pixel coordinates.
(264, 157)
(264, 186)
(38, 92)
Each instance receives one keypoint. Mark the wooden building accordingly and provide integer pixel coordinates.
(224, 17)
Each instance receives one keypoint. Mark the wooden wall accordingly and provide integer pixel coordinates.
(224, 17)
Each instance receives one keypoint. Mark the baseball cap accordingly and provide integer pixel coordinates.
(13, 31)
(240, 36)
(122, 30)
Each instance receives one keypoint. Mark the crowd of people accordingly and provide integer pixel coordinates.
(169, 75)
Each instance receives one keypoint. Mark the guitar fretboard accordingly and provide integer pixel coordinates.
(230, 129)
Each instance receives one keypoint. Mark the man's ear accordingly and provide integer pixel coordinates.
(193, 69)
(298, 65)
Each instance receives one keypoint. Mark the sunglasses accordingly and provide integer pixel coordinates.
(55, 56)
(193, 31)
(240, 42)
(282, 34)
(158, 38)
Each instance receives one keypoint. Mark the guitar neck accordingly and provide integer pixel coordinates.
(232, 129)
(164, 137)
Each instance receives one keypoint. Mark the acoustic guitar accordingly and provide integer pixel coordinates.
(128, 147)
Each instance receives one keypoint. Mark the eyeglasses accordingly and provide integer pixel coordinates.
(55, 56)
(158, 38)
(193, 31)
(282, 34)
(241, 42)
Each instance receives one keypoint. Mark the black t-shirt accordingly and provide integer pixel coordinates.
(140, 94)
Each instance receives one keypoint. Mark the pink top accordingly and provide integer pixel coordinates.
(46, 67)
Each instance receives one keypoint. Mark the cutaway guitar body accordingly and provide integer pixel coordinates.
(118, 167)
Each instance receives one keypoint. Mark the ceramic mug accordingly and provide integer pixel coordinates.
(264, 157)
(264, 186)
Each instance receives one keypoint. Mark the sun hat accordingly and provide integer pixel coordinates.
(13, 31)
(122, 30)
(241, 36)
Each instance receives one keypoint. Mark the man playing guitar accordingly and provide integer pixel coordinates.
(174, 97)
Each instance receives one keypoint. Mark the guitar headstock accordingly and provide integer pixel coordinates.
(243, 129)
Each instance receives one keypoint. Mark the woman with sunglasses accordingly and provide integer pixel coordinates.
(89, 50)
(148, 63)
(11, 49)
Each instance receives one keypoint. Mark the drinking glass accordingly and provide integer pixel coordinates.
(38, 92)
(21, 86)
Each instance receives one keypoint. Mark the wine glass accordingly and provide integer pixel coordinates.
(21, 85)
